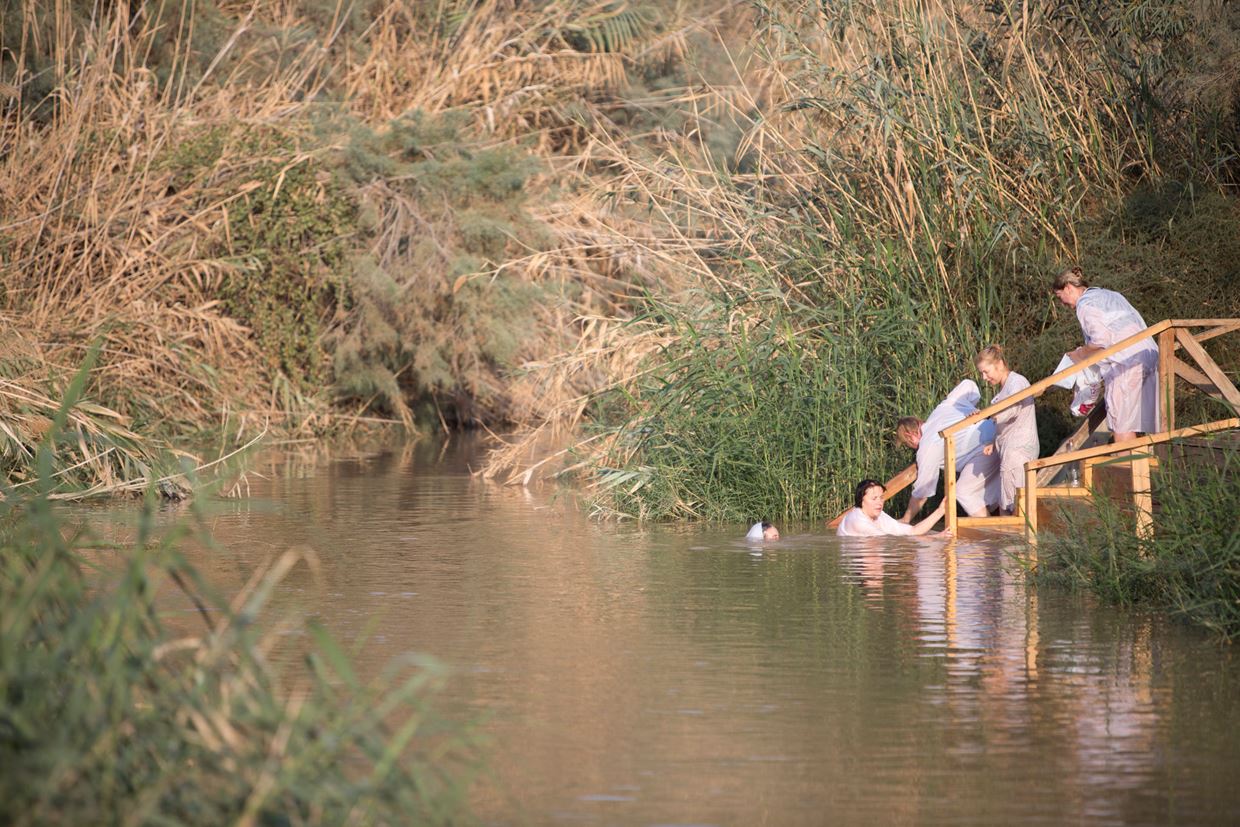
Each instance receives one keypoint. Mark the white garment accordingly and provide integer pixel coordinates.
(1016, 427)
(856, 524)
(755, 531)
(1016, 439)
(1086, 386)
(1131, 376)
(977, 485)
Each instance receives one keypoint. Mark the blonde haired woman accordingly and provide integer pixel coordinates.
(1016, 429)
(1131, 376)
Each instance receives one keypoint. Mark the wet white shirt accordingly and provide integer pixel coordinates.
(856, 524)
(961, 402)
(1106, 317)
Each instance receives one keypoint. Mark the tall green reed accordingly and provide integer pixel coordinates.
(920, 170)
(1189, 565)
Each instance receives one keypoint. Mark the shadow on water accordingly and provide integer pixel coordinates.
(679, 675)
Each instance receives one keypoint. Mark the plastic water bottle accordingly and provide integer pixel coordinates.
(1074, 475)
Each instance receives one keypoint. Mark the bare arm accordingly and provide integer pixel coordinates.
(1083, 352)
(925, 525)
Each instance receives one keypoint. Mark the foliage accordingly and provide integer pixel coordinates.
(538, 214)
(766, 407)
(440, 317)
(886, 209)
(1189, 565)
(289, 234)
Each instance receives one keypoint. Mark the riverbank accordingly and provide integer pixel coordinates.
(697, 260)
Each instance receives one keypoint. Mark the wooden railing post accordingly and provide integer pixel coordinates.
(949, 483)
(1166, 380)
(1031, 505)
(1142, 496)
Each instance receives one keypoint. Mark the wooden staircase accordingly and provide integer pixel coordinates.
(1140, 454)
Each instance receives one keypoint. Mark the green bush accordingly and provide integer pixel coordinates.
(289, 236)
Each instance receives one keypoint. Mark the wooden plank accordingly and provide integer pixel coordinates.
(1063, 491)
(1166, 380)
(1076, 440)
(1087, 474)
(990, 522)
(949, 483)
(1196, 378)
(1130, 445)
(1038, 387)
(894, 486)
(1202, 322)
(1211, 368)
(1142, 496)
(1233, 325)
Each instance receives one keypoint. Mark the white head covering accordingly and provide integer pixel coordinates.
(755, 532)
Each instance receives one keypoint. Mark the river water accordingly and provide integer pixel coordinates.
(676, 675)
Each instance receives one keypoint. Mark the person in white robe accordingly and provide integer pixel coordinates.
(1130, 376)
(1016, 428)
(977, 481)
(867, 518)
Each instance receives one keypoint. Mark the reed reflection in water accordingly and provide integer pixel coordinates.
(678, 675)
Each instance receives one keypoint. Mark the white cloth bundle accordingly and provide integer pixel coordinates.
(1086, 387)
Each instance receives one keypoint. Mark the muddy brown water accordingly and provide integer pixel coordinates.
(676, 675)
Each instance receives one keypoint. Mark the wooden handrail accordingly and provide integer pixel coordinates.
(1038, 387)
(1132, 444)
(1170, 335)
(1222, 326)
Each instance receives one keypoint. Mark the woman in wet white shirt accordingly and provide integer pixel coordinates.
(867, 518)
(1016, 429)
(1131, 376)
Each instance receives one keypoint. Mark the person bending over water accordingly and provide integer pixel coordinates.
(762, 531)
(1130, 376)
(1016, 429)
(977, 486)
(867, 518)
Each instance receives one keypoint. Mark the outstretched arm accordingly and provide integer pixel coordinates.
(1083, 352)
(925, 525)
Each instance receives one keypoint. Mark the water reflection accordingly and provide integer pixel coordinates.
(678, 675)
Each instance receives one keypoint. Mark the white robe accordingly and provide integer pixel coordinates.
(856, 524)
(1131, 376)
(977, 485)
(1016, 439)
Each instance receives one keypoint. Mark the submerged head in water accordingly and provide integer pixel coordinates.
(762, 531)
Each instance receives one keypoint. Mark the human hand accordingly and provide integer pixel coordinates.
(988, 448)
